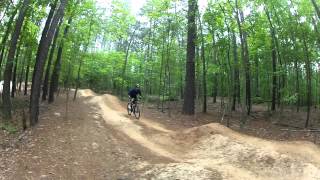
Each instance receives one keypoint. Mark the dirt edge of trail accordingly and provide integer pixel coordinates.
(218, 150)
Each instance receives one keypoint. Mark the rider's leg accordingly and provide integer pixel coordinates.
(134, 103)
(130, 101)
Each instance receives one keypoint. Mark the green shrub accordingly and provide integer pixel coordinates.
(258, 100)
(8, 127)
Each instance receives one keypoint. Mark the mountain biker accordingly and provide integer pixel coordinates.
(133, 93)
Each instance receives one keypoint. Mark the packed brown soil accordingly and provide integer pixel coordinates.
(96, 139)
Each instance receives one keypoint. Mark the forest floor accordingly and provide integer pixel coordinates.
(96, 139)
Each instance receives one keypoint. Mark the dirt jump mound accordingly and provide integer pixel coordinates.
(213, 151)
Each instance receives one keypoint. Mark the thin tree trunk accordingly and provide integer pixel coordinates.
(274, 61)
(314, 23)
(45, 86)
(274, 77)
(68, 90)
(215, 75)
(5, 37)
(316, 7)
(245, 57)
(124, 70)
(167, 67)
(40, 61)
(27, 74)
(9, 65)
(14, 73)
(54, 83)
(236, 78)
(309, 86)
(229, 71)
(161, 70)
(204, 70)
(80, 64)
(257, 83)
(282, 77)
(78, 81)
(22, 69)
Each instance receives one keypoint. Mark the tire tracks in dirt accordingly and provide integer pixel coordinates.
(215, 148)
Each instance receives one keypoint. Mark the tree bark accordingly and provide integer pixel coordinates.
(40, 61)
(309, 85)
(78, 81)
(215, 75)
(21, 73)
(45, 86)
(316, 7)
(125, 63)
(54, 83)
(80, 64)
(189, 93)
(245, 57)
(274, 61)
(236, 78)
(27, 74)
(161, 70)
(9, 65)
(5, 37)
(14, 73)
(274, 77)
(204, 69)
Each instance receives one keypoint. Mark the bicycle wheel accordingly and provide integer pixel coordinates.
(129, 108)
(137, 111)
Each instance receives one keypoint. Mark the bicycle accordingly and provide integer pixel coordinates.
(133, 107)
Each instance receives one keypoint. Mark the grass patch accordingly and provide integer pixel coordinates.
(8, 127)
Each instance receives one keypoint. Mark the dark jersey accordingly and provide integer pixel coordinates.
(134, 92)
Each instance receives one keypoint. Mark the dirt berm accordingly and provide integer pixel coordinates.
(211, 151)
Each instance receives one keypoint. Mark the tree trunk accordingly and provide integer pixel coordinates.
(257, 84)
(5, 37)
(316, 7)
(309, 86)
(315, 27)
(167, 67)
(245, 57)
(274, 61)
(9, 65)
(215, 75)
(80, 64)
(161, 70)
(22, 69)
(204, 70)
(78, 81)
(40, 61)
(68, 89)
(45, 86)
(236, 78)
(274, 77)
(125, 64)
(189, 93)
(14, 73)
(54, 83)
(27, 74)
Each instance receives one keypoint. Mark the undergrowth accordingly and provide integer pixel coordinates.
(8, 127)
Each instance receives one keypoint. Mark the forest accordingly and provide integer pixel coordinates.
(243, 52)
(213, 73)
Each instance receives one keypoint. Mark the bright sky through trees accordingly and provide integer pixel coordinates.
(136, 5)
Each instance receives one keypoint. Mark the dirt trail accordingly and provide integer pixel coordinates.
(212, 151)
(100, 141)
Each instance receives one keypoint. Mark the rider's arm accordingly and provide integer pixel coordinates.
(139, 92)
